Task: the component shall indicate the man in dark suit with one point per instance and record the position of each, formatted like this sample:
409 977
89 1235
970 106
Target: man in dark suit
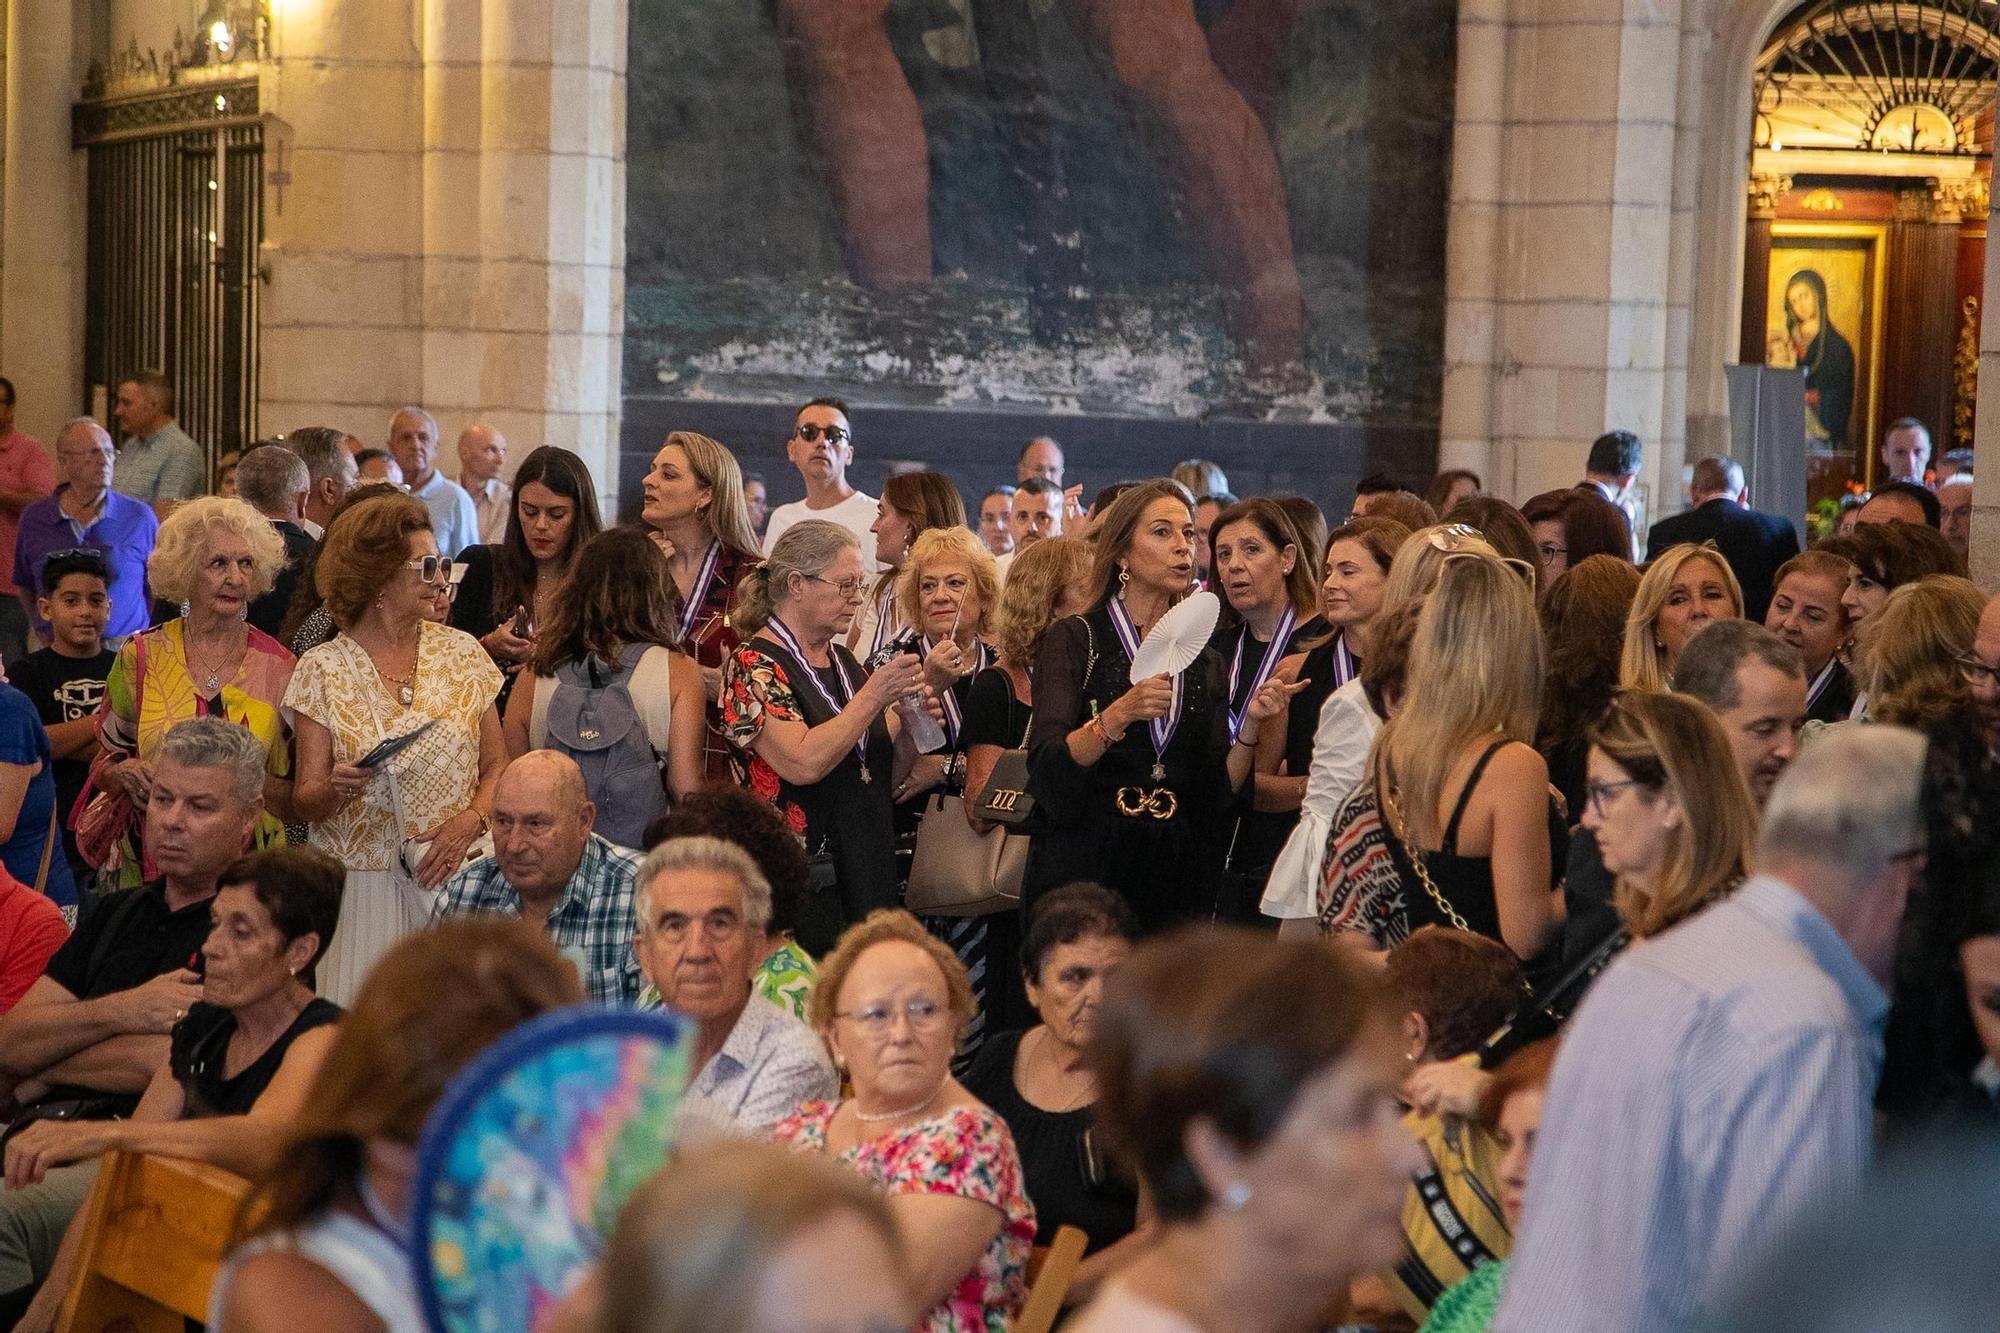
274 481
1753 543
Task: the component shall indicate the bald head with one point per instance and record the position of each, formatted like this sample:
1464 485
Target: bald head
482 451
541 821
85 453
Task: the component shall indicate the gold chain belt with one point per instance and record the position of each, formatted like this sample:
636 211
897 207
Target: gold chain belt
1160 802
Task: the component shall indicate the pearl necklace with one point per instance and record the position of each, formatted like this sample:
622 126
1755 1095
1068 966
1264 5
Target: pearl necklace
880 1116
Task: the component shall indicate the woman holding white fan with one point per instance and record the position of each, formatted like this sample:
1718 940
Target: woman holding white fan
1137 776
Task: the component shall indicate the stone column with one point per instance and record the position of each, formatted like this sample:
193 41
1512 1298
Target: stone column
42 218
1986 433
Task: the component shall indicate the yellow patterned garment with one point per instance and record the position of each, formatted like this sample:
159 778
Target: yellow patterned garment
337 686
138 713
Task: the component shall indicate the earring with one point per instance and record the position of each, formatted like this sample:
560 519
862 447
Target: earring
1124 577
1235 1196
243 611
187 608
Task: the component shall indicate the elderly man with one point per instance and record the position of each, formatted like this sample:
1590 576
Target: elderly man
1982 671
413 439
1713 1093
482 452
1906 449
1040 457
1954 497
1807 611
86 512
25 477
330 473
159 464
95 1026
704 910
276 482
548 866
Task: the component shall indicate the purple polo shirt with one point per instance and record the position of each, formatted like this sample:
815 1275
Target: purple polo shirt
24 465
123 530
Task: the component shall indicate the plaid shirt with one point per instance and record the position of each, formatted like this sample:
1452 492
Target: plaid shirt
591 922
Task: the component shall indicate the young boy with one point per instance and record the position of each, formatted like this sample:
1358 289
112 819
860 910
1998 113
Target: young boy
66 680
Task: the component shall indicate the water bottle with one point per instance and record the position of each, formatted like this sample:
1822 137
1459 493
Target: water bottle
926 733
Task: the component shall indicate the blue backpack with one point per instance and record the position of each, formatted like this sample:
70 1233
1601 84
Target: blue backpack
591 718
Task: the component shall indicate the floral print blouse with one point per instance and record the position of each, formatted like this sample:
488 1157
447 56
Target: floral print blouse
755 687
966 1151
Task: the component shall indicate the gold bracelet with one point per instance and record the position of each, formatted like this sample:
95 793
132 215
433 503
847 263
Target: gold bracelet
1097 725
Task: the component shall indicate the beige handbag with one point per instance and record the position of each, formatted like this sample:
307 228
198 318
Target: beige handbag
960 872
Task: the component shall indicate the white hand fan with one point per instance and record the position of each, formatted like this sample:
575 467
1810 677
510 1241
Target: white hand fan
1177 638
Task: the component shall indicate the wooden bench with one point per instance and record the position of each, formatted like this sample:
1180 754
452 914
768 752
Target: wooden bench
1051 1269
155 1230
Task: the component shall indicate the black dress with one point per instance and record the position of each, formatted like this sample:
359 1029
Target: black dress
1165 852
845 818
1051 1146
993 716
200 1048
1262 834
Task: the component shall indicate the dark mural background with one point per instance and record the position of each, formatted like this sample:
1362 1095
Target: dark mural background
1087 270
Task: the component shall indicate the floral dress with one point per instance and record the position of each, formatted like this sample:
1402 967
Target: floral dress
966 1151
755 687
151 688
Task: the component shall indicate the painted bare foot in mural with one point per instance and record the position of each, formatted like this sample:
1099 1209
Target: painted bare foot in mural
1222 162
867 135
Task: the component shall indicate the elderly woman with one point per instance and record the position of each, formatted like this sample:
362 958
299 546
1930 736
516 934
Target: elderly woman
695 511
324 1250
1137 777
891 1004
825 744
949 596
1253 1082
308 623
1042 1087
213 557
795 1234
509 589
237 1068
912 504
1680 591
617 619
399 824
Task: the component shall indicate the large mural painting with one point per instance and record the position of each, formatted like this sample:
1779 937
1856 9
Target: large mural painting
1120 207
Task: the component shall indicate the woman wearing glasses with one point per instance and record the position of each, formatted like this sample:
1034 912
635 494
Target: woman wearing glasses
695 511
823 742
1570 526
213 557
404 822
891 1003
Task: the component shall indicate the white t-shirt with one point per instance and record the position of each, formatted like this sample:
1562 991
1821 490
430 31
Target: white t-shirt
856 513
368 1263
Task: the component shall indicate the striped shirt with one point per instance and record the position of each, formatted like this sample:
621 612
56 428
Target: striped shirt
1712 1095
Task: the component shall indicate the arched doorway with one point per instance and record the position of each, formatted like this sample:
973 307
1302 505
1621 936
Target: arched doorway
1871 155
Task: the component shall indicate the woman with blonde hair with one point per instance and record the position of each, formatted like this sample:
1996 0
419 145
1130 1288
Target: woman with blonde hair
214 557
1673 815
740 1237
1347 721
912 504
1914 651
1460 785
1680 591
695 512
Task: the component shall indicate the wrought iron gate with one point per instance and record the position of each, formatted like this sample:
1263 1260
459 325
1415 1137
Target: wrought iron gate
171 271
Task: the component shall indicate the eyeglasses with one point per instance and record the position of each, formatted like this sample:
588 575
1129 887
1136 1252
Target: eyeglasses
849 589
431 568
1977 672
1451 536
1550 551
1600 792
877 1019
810 431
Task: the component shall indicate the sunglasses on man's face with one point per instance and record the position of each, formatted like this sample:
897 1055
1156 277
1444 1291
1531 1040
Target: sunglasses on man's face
810 431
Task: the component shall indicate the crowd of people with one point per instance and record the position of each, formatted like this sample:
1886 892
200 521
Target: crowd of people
1501 918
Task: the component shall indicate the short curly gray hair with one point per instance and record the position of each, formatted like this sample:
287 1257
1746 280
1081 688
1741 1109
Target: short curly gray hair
183 544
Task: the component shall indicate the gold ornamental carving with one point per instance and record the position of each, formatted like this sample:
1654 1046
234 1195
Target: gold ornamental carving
1765 191
1822 200
1965 374
1962 200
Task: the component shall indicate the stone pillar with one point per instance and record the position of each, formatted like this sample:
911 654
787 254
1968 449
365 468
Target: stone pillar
42 218
1571 191
449 229
1986 434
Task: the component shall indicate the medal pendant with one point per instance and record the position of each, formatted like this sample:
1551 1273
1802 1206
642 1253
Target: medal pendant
407 695
866 776
1159 771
